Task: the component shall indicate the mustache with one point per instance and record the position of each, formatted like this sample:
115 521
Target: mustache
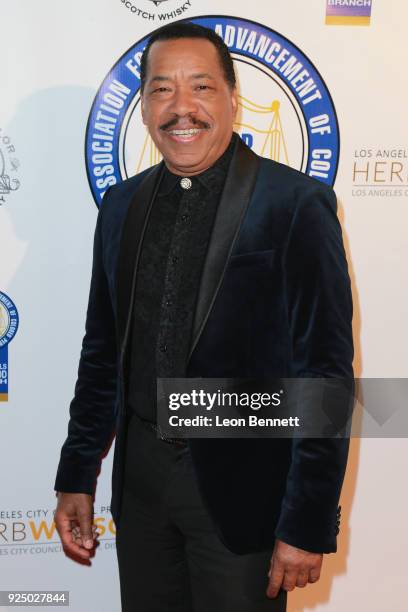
195 122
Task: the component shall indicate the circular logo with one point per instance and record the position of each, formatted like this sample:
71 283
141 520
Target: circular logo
285 109
162 12
8 167
8 319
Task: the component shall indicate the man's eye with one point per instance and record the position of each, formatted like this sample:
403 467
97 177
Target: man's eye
161 89
203 87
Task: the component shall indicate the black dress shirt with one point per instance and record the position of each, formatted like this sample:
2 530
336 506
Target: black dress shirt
168 277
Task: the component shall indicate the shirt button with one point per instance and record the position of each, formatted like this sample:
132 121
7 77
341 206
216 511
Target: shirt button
175 259
163 348
184 217
168 302
186 183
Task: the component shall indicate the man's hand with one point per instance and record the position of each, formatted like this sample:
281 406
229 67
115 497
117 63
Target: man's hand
291 567
73 520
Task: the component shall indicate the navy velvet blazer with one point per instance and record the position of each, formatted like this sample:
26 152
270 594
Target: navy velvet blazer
274 301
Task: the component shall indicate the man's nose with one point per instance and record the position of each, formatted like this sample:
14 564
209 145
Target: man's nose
183 102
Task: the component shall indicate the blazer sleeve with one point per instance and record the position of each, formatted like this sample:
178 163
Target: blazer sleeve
319 307
92 411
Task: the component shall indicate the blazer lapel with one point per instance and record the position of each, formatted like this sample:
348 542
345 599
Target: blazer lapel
129 252
239 185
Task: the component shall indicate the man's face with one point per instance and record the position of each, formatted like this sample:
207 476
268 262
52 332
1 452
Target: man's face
187 105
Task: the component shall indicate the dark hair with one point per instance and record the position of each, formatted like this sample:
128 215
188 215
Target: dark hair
190 30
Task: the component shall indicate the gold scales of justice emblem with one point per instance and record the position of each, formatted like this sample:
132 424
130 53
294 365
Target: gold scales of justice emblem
272 138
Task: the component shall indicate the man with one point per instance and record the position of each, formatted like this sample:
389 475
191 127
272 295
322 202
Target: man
215 263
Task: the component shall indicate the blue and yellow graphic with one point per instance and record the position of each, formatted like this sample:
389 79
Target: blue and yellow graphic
289 117
348 12
8 329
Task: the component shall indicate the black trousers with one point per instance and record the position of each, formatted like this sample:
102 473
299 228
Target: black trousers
170 557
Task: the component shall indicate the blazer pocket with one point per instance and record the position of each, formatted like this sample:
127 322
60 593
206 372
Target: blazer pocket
254 258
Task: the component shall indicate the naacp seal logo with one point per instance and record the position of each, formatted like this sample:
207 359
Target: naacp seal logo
8 329
285 109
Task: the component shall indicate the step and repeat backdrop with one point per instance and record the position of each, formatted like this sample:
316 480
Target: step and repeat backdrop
323 88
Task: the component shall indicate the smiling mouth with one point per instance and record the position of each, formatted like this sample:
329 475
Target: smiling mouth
188 132
186 135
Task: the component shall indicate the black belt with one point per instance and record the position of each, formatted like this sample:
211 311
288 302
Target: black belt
157 429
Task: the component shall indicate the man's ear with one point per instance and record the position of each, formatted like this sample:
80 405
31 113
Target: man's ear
234 102
142 108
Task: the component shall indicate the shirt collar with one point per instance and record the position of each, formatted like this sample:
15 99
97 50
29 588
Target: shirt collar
208 178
